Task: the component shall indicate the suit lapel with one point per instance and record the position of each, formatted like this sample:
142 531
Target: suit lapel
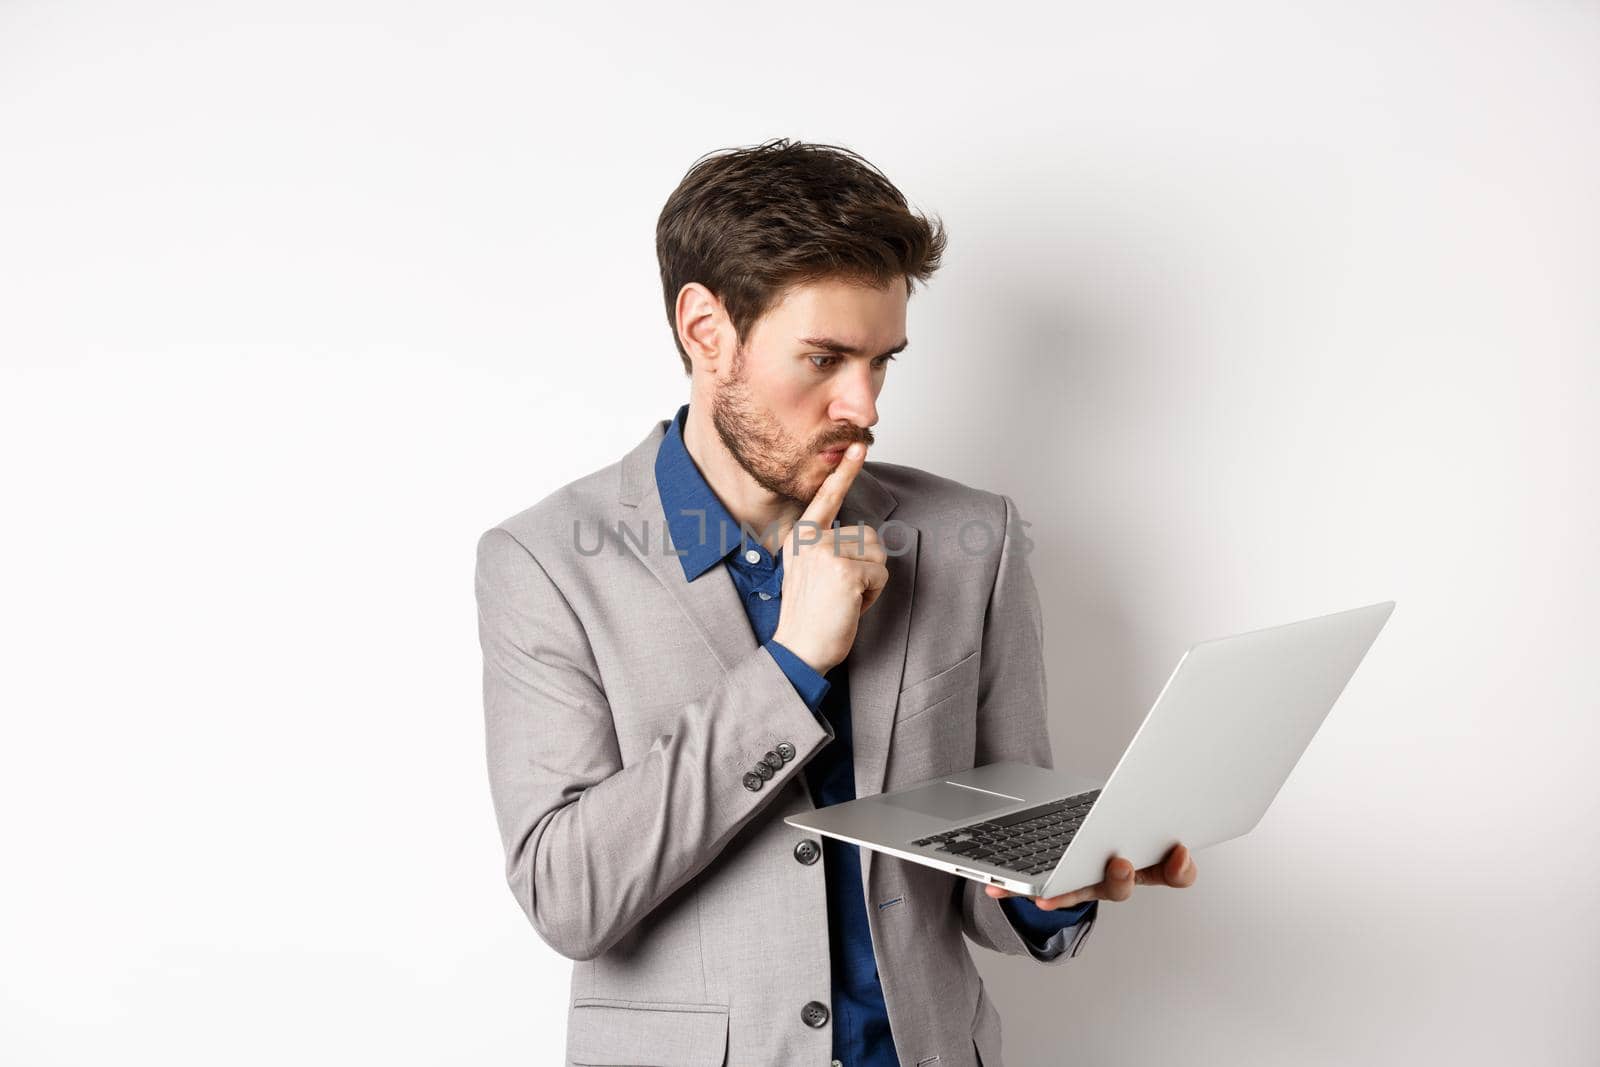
878 658
711 602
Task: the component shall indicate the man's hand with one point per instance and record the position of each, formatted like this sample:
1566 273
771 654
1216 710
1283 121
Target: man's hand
830 576
1177 871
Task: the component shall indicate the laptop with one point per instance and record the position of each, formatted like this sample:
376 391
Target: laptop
1230 724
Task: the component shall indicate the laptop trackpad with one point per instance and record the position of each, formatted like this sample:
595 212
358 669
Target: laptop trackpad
945 801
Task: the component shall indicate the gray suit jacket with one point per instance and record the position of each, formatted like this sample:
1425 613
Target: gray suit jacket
624 708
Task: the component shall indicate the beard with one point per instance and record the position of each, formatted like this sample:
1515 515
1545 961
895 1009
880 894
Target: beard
772 456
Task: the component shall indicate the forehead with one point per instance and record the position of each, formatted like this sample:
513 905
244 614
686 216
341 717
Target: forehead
857 314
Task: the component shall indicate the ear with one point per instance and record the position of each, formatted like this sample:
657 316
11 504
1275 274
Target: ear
704 329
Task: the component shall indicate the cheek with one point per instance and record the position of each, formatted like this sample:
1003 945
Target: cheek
801 408
793 390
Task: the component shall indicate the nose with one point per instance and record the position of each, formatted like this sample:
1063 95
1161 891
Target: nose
856 399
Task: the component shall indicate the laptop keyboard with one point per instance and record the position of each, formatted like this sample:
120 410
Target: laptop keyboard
1030 840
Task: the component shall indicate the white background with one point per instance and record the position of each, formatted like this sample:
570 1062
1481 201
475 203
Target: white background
1258 310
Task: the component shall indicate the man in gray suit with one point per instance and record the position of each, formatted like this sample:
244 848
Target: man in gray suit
742 619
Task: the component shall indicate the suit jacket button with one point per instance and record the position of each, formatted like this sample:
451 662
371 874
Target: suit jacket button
773 760
814 1014
785 751
807 851
763 770
752 782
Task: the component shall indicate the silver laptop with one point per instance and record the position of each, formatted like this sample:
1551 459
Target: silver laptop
1214 749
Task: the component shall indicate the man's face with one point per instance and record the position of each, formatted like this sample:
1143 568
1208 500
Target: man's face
807 380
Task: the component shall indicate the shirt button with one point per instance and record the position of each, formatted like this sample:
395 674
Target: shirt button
764 596
752 556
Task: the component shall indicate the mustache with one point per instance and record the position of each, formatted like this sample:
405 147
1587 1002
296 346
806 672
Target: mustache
845 438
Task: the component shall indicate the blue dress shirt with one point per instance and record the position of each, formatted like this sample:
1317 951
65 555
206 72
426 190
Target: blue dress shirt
706 535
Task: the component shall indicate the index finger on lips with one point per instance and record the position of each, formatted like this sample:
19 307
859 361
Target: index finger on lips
824 507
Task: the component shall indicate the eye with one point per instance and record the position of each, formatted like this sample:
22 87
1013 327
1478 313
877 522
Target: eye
824 362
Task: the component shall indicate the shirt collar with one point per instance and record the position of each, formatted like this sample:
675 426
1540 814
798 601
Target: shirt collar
686 496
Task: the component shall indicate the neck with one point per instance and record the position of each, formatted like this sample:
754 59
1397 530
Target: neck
747 500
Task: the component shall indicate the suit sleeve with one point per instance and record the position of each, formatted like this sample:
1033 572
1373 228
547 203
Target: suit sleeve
1012 726
592 846
1047 933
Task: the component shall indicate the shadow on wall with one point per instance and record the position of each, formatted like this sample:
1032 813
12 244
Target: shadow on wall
1065 380
1068 377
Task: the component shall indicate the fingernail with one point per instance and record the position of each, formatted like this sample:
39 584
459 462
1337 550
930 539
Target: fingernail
854 450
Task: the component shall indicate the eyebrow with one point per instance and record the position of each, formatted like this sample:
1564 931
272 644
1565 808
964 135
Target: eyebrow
828 344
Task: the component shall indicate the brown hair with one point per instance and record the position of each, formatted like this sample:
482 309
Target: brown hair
748 223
